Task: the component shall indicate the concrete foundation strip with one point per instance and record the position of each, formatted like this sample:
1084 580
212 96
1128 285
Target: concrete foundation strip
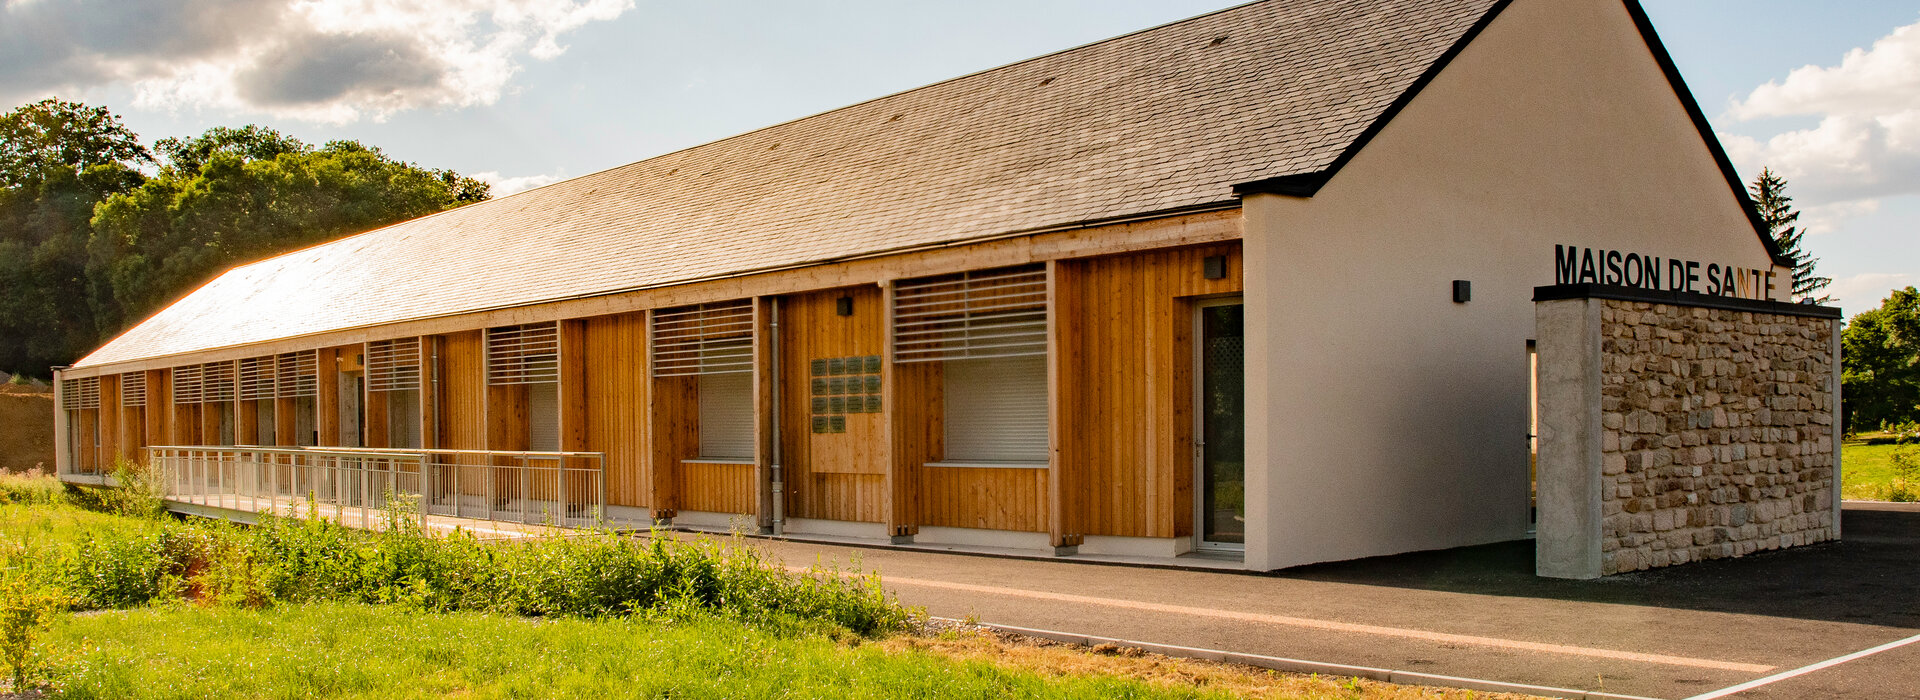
1334 626
1804 670
1315 667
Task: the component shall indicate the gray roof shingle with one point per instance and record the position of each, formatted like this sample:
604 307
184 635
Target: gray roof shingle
1158 120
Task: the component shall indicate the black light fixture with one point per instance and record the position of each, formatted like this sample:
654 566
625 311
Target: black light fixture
843 306
1213 267
1462 291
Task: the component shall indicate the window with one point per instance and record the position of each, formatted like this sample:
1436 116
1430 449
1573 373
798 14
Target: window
996 410
257 395
219 387
529 355
726 416
988 329
297 380
393 376
714 344
81 399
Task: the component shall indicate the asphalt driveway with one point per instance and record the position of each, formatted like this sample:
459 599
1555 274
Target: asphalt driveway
1479 612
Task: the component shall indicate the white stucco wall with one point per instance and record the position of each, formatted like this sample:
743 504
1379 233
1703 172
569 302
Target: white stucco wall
1383 417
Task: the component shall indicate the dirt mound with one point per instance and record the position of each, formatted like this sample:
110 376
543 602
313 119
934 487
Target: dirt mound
26 430
7 387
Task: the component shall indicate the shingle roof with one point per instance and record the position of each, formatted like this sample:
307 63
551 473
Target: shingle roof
1159 120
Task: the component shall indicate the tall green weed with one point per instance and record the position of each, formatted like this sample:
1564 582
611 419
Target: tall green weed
590 575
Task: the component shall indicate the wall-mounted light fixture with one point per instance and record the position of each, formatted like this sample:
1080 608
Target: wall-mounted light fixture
1213 267
843 306
1462 291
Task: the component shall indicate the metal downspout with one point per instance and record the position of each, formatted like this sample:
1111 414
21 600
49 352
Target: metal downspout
777 474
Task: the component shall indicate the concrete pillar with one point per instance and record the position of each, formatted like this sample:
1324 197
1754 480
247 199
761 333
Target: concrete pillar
1567 540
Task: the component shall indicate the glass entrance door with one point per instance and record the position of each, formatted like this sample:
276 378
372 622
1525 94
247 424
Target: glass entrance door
1220 436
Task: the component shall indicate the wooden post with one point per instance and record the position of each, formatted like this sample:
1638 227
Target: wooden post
160 406
326 417
112 447
573 385
764 375
903 465
1063 490
571 356
431 349
663 460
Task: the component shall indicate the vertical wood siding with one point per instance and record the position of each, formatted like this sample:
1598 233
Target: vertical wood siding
1127 385
613 371
830 476
676 437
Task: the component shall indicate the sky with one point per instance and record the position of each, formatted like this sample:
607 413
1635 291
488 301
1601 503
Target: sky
528 92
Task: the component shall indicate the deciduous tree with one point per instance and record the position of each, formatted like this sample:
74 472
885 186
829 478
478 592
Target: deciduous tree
57 160
1881 347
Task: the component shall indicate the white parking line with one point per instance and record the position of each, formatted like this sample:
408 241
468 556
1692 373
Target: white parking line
1804 670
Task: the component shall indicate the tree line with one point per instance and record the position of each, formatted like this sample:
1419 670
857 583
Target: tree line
98 231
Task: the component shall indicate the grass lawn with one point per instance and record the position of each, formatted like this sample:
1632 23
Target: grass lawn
349 651
1866 471
188 647
363 651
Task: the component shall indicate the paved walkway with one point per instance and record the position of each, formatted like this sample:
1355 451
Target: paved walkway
1479 612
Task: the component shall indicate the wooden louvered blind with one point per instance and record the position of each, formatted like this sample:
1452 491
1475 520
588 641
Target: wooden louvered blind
218 382
133 389
297 374
704 339
80 394
257 376
526 354
393 365
186 384
984 313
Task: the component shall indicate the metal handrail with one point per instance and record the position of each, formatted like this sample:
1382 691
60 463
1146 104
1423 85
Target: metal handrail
566 489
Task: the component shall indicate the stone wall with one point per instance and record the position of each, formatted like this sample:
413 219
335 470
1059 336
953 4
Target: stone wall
1717 433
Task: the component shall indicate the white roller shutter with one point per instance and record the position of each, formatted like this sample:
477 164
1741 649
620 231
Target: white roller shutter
726 416
996 410
543 417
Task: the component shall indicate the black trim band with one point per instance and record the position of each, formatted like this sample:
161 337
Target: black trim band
1651 296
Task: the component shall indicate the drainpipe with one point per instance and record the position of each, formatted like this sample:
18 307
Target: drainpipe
434 397
779 477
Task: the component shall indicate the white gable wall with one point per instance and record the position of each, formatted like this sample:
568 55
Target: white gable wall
1387 417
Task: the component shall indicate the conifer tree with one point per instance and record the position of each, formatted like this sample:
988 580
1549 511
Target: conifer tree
1769 192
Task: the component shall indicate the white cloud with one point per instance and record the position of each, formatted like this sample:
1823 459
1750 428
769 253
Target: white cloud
319 60
1821 219
1867 142
1866 290
503 186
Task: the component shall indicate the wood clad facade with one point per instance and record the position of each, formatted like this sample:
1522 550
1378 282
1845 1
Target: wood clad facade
1120 382
830 475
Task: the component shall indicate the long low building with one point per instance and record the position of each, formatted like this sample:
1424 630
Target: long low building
1254 285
